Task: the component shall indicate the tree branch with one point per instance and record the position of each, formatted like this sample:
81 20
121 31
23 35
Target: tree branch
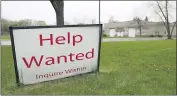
58 6
54 4
161 10
161 19
173 28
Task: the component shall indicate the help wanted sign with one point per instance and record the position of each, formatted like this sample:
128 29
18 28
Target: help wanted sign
46 53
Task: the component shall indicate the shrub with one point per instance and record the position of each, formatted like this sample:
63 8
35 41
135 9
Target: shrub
104 35
159 35
151 36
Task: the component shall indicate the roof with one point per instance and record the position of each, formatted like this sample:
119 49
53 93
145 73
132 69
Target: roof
131 24
120 24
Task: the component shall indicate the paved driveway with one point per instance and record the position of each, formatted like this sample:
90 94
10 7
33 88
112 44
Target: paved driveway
5 42
8 42
130 39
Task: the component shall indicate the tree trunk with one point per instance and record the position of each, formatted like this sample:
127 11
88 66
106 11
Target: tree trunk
168 28
140 30
172 28
58 5
167 19
168 31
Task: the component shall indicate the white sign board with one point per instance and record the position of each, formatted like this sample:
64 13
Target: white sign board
46 53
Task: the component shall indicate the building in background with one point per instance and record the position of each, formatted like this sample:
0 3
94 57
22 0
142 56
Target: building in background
130 29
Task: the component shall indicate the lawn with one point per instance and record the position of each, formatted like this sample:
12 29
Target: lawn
5 37
126 68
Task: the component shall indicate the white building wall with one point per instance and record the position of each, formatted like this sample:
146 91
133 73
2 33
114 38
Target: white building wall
131 32
107 31
118 34
112 33
121 34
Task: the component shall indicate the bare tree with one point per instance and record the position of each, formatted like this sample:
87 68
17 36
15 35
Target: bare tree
162 10
58 6
146 19
80 21
139 24
111 19
93 21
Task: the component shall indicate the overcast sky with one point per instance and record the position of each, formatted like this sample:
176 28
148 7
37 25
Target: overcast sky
79 11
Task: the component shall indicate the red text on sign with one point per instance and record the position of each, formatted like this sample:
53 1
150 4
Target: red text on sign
44 60
60 39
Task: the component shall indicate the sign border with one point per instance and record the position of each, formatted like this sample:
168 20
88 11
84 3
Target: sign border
54 26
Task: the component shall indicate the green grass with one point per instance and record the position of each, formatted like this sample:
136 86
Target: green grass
141 67
5 37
